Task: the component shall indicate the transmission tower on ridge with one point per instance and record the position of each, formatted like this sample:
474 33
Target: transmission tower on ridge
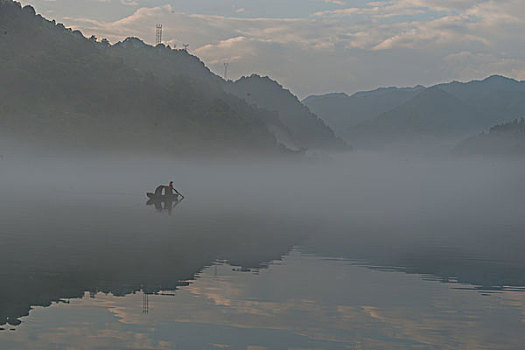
226 64
158 36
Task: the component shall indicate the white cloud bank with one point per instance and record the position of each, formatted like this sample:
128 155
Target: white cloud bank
402 42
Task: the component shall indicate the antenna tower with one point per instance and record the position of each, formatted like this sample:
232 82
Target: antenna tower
186 46
226 64
158 36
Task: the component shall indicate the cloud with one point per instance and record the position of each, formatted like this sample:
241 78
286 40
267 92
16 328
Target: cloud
336 2
129 2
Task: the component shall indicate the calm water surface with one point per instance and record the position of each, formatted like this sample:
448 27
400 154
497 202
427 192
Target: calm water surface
357 252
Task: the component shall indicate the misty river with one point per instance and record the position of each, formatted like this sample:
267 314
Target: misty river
363 251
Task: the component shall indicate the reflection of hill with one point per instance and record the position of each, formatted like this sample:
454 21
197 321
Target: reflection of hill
489 257
69 248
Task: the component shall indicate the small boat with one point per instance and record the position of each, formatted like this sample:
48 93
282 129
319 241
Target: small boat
163 193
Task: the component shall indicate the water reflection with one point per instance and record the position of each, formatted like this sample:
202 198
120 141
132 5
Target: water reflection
70 247
300 302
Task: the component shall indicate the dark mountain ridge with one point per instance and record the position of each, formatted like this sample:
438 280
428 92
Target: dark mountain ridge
162 61
64 89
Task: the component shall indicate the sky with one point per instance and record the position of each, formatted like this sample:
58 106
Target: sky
321 46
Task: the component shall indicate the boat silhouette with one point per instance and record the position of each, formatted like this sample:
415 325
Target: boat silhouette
164 193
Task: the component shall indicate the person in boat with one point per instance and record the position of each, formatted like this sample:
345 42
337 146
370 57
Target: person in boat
163 190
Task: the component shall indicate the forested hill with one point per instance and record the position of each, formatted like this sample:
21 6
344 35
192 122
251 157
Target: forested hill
302 129
503 139
162 61
306 128
85 93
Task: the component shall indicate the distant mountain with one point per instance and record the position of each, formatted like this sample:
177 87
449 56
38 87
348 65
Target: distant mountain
496 99
504 139
342 112
441 113
305 127
431 113
60 87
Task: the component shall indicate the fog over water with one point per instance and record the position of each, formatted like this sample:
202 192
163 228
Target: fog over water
308 252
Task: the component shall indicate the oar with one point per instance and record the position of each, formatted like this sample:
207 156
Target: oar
180 194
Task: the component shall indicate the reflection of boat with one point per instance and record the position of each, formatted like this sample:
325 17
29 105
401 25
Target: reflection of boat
159 202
